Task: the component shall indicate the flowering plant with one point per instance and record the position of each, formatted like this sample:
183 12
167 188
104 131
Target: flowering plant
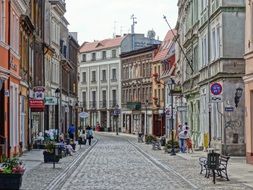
12 166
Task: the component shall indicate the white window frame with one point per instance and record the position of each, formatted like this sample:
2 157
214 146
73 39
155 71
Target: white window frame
2 20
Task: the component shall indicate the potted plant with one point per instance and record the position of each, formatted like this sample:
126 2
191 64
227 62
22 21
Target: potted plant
48 153
11 173
149 139
168 146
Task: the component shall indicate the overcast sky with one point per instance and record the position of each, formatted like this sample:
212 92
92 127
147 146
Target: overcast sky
99 19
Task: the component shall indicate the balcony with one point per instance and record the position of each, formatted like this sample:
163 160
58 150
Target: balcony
93 105
93 82
102 104
83 105
113 103
114 80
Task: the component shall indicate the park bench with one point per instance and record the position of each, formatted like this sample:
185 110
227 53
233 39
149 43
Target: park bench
156 145
221 170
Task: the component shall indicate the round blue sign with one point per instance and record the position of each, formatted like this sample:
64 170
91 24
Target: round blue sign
216 88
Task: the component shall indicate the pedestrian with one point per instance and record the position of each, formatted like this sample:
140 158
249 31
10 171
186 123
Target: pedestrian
71 131
186 126
89 134
182 137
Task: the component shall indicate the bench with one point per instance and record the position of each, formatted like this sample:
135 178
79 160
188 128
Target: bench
156 145
221 170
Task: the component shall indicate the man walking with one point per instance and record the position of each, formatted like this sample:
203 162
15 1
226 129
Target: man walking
71 131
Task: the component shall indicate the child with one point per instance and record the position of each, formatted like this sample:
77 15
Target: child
189 145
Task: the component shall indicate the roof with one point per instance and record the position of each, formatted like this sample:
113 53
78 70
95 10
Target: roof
165 46
99 45
139 51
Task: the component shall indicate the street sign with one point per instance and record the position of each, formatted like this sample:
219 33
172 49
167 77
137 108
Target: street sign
216 99
229 109
182 108
216 88
50 101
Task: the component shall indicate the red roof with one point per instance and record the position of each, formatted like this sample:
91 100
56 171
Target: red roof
104 44
164 48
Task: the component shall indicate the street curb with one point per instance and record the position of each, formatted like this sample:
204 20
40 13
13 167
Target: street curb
60 179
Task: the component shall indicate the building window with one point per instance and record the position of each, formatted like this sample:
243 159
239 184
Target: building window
93 57
84 77
84 99
2 20
93 75
114 53
114 74
93 99
204 54
103 75
84 58
114 98
104 55
195 58
218 41
213 45
104 98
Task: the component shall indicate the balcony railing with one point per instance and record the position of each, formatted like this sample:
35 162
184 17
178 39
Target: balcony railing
102 104
93 105
113 103
114 80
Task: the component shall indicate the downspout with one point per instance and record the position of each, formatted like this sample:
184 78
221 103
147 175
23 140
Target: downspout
9 68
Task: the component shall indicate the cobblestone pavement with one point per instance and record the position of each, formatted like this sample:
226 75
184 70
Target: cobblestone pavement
43 176
189 169
114 163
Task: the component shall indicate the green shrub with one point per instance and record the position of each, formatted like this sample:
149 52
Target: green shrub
150 138
168 145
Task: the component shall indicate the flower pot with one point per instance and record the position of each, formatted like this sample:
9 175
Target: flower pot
50 157
10 181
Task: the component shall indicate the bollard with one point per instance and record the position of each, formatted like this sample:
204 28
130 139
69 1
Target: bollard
56 153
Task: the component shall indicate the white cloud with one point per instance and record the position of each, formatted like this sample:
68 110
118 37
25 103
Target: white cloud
95 19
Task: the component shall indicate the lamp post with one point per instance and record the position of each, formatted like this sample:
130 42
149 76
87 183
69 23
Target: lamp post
238 95
171 84
76 124
57 95
146 117
116 113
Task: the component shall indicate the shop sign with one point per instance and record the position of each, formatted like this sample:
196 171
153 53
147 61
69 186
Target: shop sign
50 101
36 105
39 92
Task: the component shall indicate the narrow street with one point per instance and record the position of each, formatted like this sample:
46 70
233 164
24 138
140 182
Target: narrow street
115 163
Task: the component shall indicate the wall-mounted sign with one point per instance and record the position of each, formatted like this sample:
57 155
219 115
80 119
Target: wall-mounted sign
39 92
6 93
229 109
36 105
50 101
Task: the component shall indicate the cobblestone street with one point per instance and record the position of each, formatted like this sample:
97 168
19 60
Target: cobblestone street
119 162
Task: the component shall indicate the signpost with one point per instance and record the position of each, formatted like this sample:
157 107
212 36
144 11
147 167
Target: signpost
216 90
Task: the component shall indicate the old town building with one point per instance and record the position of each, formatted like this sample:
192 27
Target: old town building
248 80
100 77
162 70
137 90
213 56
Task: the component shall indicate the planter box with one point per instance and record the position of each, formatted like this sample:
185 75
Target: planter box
10 181
49 157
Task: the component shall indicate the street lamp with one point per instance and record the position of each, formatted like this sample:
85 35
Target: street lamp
238 95
146 106
76 124
171 85
57 95
116 113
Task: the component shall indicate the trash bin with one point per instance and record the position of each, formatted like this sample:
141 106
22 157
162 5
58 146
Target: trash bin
163 141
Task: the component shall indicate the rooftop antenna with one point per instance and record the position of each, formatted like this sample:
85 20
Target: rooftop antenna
134 22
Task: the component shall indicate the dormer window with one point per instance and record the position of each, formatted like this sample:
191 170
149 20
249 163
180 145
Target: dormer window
104 55
84 57
114 53
93 57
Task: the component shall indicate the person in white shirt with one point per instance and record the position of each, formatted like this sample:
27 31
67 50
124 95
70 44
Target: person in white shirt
182 136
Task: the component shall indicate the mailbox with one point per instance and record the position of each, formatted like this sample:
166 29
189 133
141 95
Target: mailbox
213 161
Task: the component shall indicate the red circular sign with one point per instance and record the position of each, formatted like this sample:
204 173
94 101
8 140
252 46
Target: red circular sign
216 88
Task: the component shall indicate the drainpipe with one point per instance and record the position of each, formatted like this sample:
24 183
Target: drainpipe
9 68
